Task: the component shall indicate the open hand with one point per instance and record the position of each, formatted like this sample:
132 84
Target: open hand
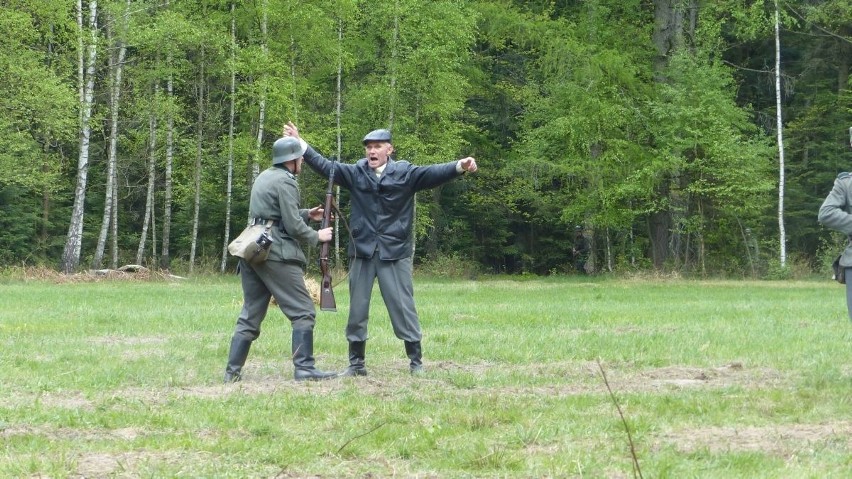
291 130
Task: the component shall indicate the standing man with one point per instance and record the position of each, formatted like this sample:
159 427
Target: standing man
381 219
836 213
275 196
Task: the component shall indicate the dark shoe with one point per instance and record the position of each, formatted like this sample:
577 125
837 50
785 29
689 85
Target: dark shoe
353 371
312 374
303 358
236 359
415 354
357 351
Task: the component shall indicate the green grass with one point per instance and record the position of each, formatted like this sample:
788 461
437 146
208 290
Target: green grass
717 379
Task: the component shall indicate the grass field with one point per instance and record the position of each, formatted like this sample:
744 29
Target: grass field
715 379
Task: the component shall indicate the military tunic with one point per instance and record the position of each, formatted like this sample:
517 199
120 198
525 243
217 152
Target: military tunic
275 196
836 213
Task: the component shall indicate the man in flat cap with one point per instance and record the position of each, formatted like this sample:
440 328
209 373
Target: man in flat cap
381 220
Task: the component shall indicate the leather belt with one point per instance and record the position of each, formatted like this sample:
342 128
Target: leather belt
262 221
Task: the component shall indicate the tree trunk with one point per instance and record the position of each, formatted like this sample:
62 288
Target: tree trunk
338 116
230 180
264 47
199 152
149 196
668 37
114 227
116 68
165 255
74 240
261 118
844 59
394 42
782 235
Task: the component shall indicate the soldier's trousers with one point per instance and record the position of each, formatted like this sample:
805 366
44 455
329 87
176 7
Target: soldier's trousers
283 281
849 292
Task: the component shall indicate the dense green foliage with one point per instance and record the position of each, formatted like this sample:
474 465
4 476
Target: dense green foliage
124 381
651 124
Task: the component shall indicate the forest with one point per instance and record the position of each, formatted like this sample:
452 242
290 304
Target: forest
682 136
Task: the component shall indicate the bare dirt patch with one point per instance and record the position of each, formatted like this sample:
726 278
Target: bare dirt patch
121 464
62 399
784 440
585 378
73 434
559 379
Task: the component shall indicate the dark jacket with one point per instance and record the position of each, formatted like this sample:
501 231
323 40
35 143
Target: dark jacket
275 196
382 209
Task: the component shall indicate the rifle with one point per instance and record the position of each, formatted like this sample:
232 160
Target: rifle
327 302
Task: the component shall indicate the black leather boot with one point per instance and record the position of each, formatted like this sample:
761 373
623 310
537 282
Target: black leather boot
415 354
303 357
236 358
357 350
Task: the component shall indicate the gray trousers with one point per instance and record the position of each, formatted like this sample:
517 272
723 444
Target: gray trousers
397 290
283 281
848 274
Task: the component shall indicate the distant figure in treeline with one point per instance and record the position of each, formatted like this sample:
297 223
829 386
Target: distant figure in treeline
580 250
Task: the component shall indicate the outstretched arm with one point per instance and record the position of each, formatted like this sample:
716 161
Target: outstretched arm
467 164
320 164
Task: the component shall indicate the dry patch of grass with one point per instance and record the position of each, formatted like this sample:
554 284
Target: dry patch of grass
128 272
783 440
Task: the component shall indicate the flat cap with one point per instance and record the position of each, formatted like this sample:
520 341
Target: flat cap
377 135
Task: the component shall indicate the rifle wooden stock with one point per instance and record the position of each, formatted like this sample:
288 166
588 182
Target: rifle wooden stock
327 302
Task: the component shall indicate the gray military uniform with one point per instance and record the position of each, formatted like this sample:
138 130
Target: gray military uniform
836 213
275 196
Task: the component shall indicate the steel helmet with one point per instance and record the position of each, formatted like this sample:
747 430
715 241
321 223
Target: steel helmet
377 135
288 148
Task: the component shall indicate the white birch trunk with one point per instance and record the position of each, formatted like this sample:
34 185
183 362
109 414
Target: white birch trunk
199 151
73 241
81 61
116 69
149 196
230 180
393 66
255 168
114 227
338 115
782 235
293 79
165 256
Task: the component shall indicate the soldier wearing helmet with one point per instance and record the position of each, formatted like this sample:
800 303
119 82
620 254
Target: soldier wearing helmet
275 198
381 221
